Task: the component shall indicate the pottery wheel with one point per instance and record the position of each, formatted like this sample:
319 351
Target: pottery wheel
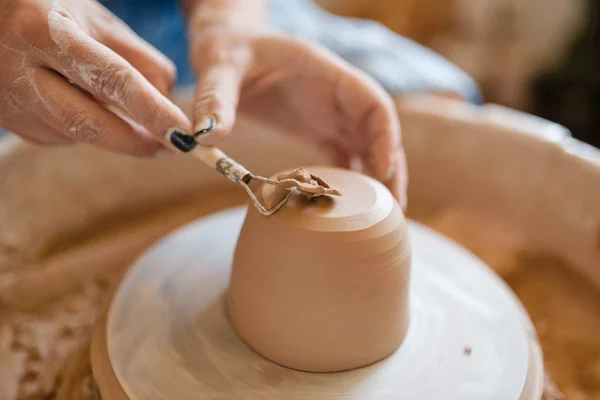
167 335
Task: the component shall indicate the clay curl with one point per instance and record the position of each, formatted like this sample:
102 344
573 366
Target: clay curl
301 181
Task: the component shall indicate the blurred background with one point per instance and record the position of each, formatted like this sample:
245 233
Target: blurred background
539 56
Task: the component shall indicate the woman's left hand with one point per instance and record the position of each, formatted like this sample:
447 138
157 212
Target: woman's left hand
299 88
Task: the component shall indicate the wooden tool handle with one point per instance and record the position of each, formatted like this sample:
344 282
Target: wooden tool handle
215 158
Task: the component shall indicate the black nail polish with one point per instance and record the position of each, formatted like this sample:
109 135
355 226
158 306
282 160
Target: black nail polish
210 127
182 141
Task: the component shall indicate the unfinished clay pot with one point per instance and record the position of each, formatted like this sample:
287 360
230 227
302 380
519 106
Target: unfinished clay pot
167 333
322 285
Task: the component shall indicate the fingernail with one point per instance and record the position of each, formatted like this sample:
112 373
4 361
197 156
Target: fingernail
206 125
182 141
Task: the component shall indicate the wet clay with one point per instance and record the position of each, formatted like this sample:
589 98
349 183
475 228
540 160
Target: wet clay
47 309
322 285
300 180
564 307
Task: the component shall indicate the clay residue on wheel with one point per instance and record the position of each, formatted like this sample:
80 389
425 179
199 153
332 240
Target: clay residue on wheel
563 306
302 181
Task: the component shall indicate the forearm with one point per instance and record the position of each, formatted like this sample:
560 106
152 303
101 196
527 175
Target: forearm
200 13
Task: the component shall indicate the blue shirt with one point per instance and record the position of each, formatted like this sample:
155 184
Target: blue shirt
162 24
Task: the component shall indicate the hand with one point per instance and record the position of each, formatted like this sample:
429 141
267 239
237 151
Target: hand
65 62
301 89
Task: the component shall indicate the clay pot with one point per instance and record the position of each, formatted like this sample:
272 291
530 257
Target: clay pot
322 285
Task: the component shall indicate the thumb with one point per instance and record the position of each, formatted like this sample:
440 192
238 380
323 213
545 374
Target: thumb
215 102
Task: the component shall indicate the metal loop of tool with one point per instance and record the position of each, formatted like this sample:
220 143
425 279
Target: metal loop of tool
261 209
240 175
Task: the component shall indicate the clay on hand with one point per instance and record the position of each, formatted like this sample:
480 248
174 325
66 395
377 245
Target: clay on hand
65 62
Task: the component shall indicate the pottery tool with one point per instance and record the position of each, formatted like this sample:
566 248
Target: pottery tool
300 180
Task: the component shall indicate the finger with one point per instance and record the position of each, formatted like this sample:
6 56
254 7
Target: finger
111 79
77 116
372 113
215 102
367 114
343 157
155 66
220 59
398 181
339 155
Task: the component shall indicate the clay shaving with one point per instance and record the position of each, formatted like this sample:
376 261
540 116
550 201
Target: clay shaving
308 184
303 182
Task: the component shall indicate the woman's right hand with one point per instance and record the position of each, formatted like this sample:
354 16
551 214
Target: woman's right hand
65 61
